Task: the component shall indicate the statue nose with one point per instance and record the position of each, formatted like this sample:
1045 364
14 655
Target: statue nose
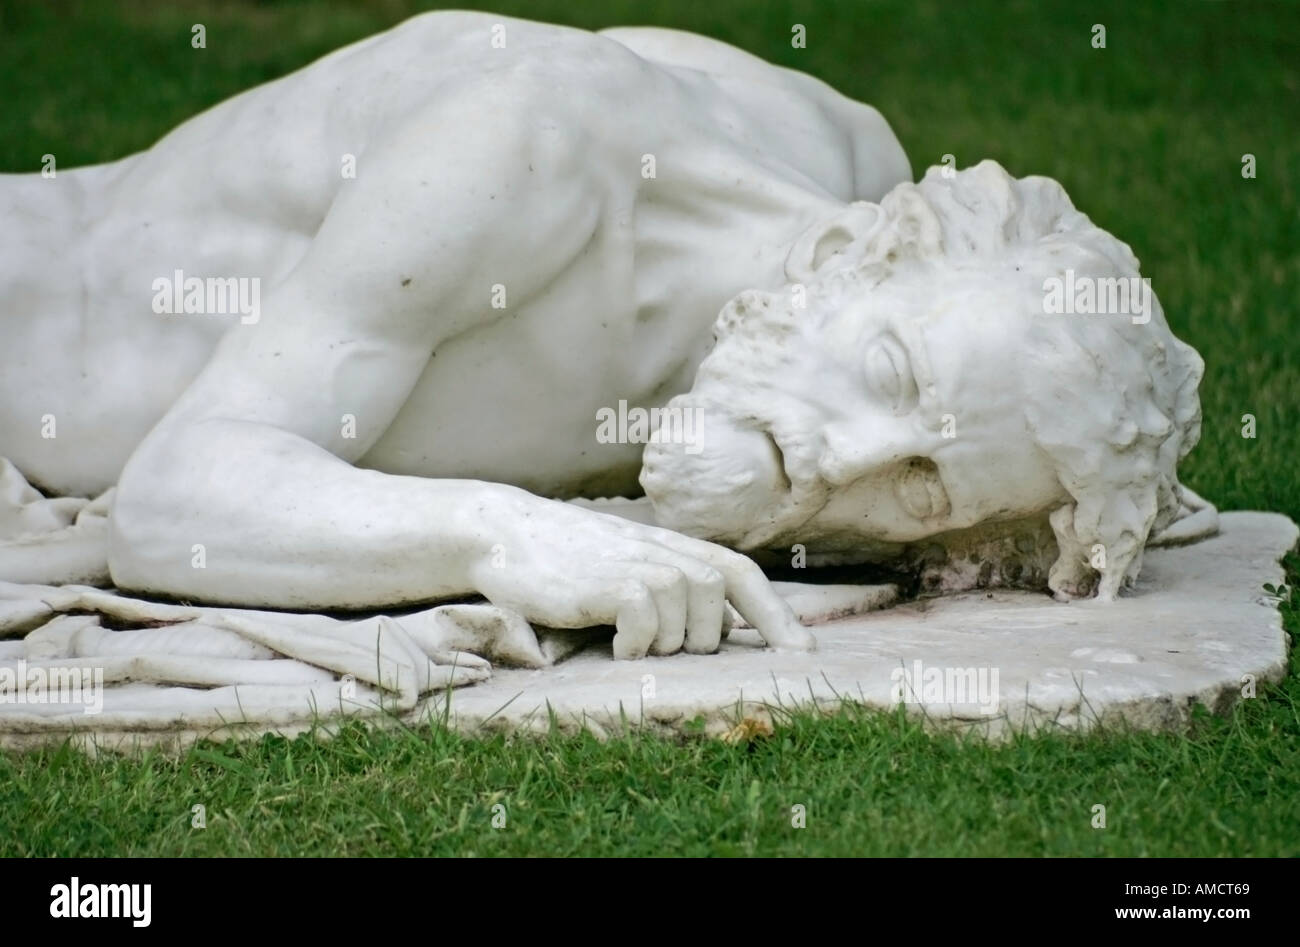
851 452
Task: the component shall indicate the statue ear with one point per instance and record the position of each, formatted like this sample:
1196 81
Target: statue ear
830 244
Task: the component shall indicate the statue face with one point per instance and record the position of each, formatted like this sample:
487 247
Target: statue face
885 416
927 388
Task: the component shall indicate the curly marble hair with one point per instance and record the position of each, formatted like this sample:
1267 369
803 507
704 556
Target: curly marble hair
1111 401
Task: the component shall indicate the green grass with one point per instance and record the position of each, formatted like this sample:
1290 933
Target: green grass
1147 135
870 784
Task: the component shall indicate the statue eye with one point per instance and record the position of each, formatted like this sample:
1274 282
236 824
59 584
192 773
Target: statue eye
889 374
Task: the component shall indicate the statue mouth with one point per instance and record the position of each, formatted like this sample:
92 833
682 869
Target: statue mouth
920 490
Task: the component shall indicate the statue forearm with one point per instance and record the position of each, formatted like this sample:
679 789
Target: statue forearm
232 512
228 511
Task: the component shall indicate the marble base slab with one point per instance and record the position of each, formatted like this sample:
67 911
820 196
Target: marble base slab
1198 628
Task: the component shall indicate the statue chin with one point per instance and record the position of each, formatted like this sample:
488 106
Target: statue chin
725 490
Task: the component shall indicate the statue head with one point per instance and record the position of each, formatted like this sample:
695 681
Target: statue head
926 376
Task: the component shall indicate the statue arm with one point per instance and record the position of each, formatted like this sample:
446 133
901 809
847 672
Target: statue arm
245 492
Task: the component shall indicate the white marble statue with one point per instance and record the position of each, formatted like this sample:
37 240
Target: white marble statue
461 262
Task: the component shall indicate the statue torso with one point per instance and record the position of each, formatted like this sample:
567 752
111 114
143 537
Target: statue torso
705 181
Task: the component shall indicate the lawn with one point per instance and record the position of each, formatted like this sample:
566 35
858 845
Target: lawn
1148 135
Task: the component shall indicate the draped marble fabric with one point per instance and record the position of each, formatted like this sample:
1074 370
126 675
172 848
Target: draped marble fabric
166 665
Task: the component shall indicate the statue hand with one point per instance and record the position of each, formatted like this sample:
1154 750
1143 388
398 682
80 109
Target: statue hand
566 567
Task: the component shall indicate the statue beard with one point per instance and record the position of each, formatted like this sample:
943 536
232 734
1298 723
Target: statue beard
749 478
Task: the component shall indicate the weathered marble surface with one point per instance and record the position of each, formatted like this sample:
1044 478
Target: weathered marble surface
1198 622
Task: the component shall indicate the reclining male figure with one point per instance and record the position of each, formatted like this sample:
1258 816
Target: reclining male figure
475 235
